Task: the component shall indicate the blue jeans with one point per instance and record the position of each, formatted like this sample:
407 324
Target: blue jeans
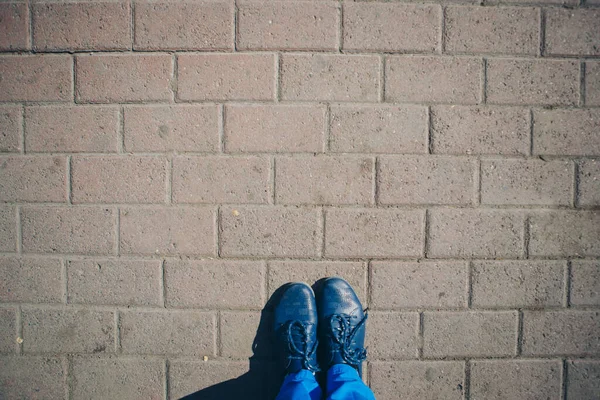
343 383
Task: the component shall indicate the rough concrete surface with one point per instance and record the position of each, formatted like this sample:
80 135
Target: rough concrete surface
166 165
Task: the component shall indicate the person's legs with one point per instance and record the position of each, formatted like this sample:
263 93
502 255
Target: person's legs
300 385
344 383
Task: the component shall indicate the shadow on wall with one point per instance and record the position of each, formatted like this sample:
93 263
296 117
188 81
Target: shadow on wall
263 379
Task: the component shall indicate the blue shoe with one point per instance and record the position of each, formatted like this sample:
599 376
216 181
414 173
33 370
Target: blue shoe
295 327
342 325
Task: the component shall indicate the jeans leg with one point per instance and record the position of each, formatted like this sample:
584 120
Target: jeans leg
343 383
301 385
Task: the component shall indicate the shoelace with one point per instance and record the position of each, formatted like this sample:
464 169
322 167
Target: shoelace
304 354
341 323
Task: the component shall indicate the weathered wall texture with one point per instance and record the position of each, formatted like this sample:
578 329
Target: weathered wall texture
166 165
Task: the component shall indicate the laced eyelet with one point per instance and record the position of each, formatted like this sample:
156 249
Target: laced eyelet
303 354
342 323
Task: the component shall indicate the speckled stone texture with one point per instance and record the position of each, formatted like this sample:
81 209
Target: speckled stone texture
166 166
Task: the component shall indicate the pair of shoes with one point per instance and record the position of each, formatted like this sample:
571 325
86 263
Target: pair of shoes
324 327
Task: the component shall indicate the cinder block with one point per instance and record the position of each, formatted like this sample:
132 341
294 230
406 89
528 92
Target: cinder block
588 179
592 83
221 179
518 283
566 132
121 282
79 230
266 25
564 234
36 78
402 285
274 128
549 333
8 229
426 180
470 334
190 333
30 377
238 333
11 128
585 283
516 379
226 77
499 30
184 25
270 232
202 283
282 272
374 233
526 182
475 233
418 380
378 129
522 81
321 77
324 180
391 27
65 330
433 79
31 280
14 31
180 128
73 129
480 130
400 342
81 26
110 78
572 32
111 377
584 379
8 331
168 231
33 179
119 179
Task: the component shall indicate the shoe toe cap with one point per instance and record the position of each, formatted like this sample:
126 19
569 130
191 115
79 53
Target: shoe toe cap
336 296
296 303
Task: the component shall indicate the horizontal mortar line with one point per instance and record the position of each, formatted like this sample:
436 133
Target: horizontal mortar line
213 309
127 356
299 155
316 102
487 3
319 101
172 258
465 309
289 102
481 357
274 50
307 155
530 56
528 357
548 357
124 308
309 206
